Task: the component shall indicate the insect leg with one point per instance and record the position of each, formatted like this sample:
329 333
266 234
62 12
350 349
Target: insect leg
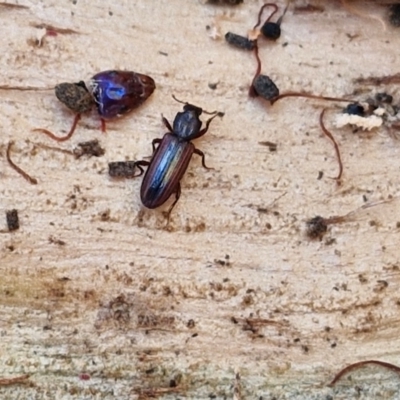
201 154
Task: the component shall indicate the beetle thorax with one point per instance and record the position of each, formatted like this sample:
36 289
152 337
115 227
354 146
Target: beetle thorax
187 124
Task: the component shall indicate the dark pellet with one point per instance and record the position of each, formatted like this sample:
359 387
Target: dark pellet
12 220
122 169
265 87
90 148
239 41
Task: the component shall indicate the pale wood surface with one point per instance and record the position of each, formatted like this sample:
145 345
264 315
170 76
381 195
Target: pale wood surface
115 300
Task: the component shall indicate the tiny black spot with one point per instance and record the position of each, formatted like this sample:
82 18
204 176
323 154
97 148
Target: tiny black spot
354 109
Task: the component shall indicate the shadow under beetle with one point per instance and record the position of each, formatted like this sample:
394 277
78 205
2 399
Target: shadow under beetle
114 93
171 158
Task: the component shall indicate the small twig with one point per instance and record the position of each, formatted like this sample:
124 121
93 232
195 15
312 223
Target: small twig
31 180
46 147
10 5
53 29
13 381
25 88
310 96
379 80
330 136
350 367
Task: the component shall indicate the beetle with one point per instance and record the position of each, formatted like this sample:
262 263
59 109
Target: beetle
113 92
171 158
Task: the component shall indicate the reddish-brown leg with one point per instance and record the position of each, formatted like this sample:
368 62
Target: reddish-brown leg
61 138
201 154
103 125
177 196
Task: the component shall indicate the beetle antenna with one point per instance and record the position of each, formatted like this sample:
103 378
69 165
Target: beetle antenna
179 101
221 114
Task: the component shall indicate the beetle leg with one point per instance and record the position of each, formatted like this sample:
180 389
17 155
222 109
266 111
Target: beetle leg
139 165
103 125
177 196
155 141
208 122
166 123
203 159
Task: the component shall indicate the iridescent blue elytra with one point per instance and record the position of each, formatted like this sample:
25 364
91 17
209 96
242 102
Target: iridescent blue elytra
171 158
118 92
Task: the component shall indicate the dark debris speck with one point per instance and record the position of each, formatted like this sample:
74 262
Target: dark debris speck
12 220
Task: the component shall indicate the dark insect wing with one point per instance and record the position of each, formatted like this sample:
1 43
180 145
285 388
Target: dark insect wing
168 165
118 92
